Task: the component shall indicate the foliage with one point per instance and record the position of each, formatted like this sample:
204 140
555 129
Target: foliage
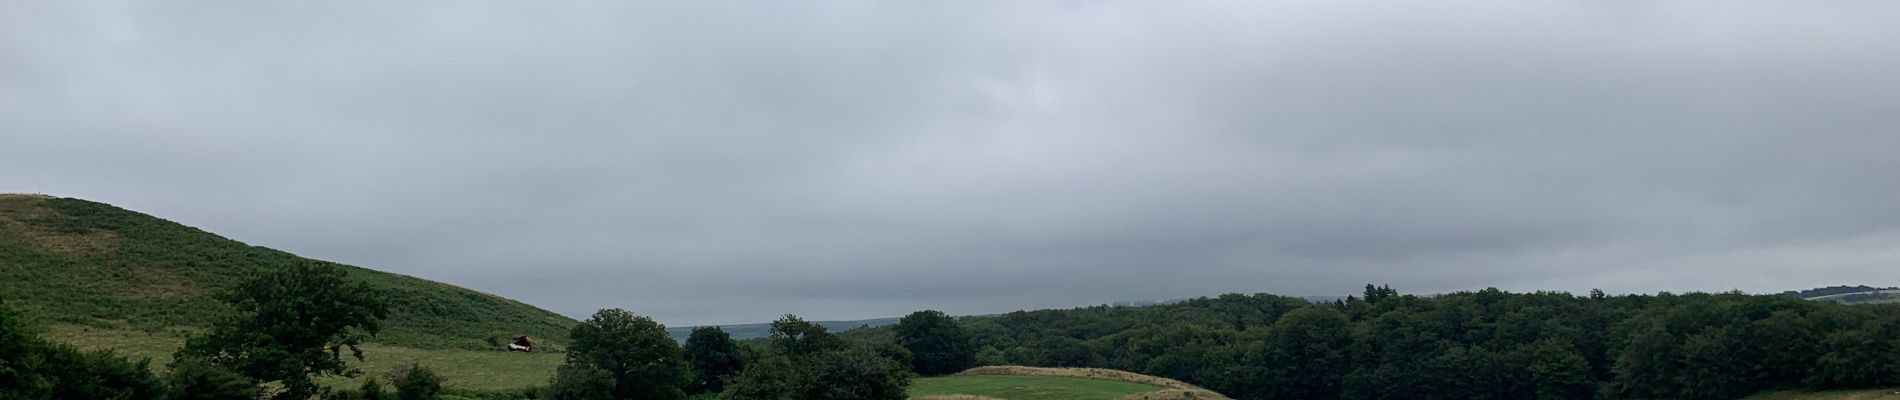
416 383
291 323
71 261
936 342
643 361
1486 344
806 362
581 382
373 390
714 358
195 379
990 356
32 368
796 337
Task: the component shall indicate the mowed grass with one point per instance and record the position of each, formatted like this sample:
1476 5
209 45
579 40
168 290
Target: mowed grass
1017 387
461 369
1885 394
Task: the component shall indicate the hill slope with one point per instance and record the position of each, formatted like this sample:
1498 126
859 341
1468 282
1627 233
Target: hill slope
71 261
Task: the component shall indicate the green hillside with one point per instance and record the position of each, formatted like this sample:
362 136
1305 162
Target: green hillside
82 263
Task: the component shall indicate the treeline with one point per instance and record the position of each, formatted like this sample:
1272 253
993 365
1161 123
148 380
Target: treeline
1471 345
289 326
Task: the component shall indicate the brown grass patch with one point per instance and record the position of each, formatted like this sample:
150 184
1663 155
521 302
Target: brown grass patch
953 397
17 211
1176 389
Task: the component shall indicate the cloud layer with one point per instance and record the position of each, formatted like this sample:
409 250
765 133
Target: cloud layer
723 162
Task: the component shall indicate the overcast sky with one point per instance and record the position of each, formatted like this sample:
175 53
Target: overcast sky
726 162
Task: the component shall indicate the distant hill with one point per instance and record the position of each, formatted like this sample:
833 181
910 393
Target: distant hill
1835 290
1862 294
77 262
759 330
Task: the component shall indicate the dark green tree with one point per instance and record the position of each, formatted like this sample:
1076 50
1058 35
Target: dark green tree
581 382
798 337
990 356
1868 356
1306 354
17 349
938 345
1650 366
644 362
371 390
805 362
714 358
1557 372
291 323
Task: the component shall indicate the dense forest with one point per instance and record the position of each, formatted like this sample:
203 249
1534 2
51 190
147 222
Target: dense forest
1486 344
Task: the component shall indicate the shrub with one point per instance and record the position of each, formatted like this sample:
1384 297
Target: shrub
581 382
416 383
195 379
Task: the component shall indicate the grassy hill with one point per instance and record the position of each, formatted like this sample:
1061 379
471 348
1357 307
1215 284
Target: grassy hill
104 277
1030 383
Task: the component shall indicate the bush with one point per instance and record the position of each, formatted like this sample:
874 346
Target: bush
417 383
581 382
195 379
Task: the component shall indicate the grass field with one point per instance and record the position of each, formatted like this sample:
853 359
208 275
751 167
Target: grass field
1887 394
461 369
71 261
1013 387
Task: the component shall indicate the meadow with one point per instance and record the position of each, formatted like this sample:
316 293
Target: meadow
1013 387
461 369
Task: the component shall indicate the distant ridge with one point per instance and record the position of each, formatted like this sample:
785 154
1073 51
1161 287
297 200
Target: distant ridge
759 330
72 261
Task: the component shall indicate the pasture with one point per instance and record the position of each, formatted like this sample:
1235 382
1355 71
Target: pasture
1016 387
460 369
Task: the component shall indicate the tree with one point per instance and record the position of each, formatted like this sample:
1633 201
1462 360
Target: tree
797 337
16 346
1650 366
714 358
1868 356
807 363
1558 372
581 382
417 383
990 356
371 390
1306 354
291 323
636 352
937 344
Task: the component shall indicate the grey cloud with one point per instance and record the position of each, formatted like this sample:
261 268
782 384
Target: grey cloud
724 162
